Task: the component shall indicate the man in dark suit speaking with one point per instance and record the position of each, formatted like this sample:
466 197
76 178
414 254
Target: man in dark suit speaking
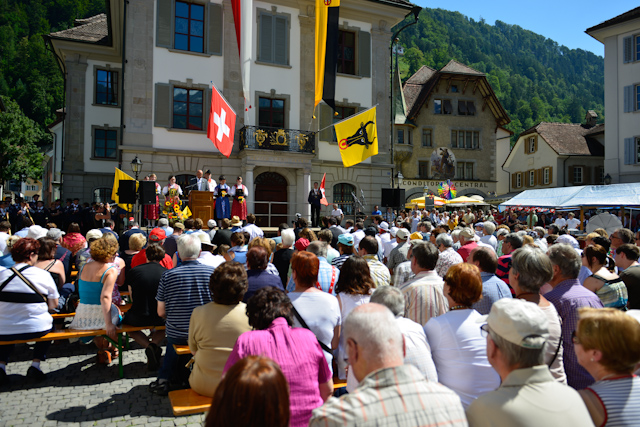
314 200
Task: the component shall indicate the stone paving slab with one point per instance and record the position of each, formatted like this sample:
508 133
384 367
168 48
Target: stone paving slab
79 393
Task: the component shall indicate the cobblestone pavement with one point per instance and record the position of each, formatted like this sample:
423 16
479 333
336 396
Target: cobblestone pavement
77 392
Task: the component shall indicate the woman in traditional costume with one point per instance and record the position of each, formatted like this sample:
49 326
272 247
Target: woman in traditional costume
151 212
222 193
239 193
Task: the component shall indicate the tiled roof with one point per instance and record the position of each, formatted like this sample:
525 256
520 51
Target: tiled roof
627 16
401 3
421 76
90 30
459 68
569 138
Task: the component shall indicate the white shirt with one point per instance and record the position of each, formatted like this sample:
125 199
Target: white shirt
336 213
417 349
207 258
388 247
560 222
212 185
414 224
357 236
253 230
3 243
19 318
573 223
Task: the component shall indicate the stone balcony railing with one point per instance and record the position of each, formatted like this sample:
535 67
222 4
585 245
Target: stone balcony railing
267 138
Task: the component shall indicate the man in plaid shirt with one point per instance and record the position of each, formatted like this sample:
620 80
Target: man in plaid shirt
390 393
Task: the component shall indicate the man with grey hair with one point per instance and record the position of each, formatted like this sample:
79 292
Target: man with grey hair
402 273
327 274
164 224
516 334
417 349
423 294
468 242
390 392
568 295
488 228
180 291
540 241
455 235
448 256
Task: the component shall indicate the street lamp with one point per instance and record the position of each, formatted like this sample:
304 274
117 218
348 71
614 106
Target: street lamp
136 167
415 11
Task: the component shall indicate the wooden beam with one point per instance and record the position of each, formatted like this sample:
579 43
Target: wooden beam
449 85
581 218
464 89
476 86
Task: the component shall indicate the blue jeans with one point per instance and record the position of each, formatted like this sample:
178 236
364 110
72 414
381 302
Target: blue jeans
170 358
39 350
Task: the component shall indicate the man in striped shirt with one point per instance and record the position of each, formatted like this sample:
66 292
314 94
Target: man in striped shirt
180 291
390 393
379 272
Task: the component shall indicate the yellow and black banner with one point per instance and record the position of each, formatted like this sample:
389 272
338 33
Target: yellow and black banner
358 137
327 15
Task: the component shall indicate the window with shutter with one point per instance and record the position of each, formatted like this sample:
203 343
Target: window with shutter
586 175
448 109
628 49
364 54
637 43
214 29
273 44
162 113
471 108
454 139
426 138
462 108
550 175
570 174
578 174
630 150
628 99
400 136
519 180
513 180
189 26
347 52
636 101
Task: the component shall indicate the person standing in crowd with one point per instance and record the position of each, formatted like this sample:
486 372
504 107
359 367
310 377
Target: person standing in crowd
239 193
211 183
568 295
27 316
608 346
326 236
62 254
302 361
621 236
142 282
447 256
459 349
223 235
335 231
257 275
609 287
5 229
315 195
180 291
346 249
215 327
134 228
510 243
493 288
389 391
627 260
379 272
399 253
171 242
222 194
423 294
251 227
282 257
516 333
328 275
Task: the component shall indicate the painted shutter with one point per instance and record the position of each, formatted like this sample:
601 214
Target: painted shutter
550 175
628 49
214 29
571 175
514 182
164 24
325 120
206 110
163 105
629 151
281 54
628 99
526 179
364 54
586 175
526 145
535 144
266 38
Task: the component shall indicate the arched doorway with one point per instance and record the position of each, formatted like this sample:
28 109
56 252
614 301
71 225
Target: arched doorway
270 199
342 195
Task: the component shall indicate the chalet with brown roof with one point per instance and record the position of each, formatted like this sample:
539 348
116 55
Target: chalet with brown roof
449 124
557 155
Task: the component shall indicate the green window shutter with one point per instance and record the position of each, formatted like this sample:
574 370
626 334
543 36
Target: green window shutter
364 54
326 118
164 24
206 109
281 54
214 29
163 105
265 53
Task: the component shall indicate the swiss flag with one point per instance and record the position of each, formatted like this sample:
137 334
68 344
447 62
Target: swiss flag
222 123
323 201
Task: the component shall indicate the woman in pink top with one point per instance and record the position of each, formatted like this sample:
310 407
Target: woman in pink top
296 350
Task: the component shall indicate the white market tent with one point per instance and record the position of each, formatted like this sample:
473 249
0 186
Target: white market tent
614 195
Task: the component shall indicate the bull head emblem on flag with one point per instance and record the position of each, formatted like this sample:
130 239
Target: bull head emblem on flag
360 137
327 2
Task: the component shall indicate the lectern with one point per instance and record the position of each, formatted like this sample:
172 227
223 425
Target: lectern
201 205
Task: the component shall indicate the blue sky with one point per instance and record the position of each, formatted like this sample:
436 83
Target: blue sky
563 21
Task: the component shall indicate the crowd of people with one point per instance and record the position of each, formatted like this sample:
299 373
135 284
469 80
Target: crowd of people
431 318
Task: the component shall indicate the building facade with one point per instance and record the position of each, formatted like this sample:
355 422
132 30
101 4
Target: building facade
451 127
557 155
621 39
139 84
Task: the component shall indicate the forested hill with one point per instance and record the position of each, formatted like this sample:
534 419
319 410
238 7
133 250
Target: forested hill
534 78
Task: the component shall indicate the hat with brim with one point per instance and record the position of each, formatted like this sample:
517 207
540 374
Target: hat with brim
235 221
384 225
520 322
402 234
345 239
36 232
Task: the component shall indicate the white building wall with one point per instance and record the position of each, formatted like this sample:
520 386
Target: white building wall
629 123
542 158
503 143
97 115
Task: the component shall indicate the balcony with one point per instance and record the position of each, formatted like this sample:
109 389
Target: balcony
402 152
266 138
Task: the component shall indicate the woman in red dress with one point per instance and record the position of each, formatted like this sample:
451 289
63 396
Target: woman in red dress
239 193
151 212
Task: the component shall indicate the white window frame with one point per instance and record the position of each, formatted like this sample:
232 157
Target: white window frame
518 180
532 144
578 175
532 178
546 176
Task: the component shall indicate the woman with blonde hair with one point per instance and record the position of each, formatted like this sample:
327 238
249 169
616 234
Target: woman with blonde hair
308 234
607 344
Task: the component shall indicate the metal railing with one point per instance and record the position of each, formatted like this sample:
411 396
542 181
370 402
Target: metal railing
268 138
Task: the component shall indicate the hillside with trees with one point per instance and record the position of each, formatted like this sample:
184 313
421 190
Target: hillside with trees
535 78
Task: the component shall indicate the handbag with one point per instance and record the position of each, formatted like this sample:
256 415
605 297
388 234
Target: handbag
304 325
21 297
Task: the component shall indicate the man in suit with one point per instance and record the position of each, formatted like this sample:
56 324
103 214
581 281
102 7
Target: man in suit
199 183
314 200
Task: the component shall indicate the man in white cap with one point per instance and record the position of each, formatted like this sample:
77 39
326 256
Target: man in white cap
383 229
517 331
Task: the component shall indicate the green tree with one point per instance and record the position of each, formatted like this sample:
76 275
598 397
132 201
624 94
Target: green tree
414 59
19 154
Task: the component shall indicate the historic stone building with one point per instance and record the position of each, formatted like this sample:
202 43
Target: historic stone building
138 83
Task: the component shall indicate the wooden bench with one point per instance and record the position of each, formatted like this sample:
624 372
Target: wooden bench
181 349
66 334
123 309
188 402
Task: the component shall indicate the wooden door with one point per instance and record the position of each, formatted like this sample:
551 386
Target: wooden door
270 187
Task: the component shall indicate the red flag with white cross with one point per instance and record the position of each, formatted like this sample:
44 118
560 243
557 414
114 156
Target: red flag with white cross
324 197
222 123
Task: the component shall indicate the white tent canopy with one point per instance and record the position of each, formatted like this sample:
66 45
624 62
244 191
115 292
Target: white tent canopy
574 197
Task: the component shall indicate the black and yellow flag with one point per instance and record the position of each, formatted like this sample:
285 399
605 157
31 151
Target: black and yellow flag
358 137
121 176
327 14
